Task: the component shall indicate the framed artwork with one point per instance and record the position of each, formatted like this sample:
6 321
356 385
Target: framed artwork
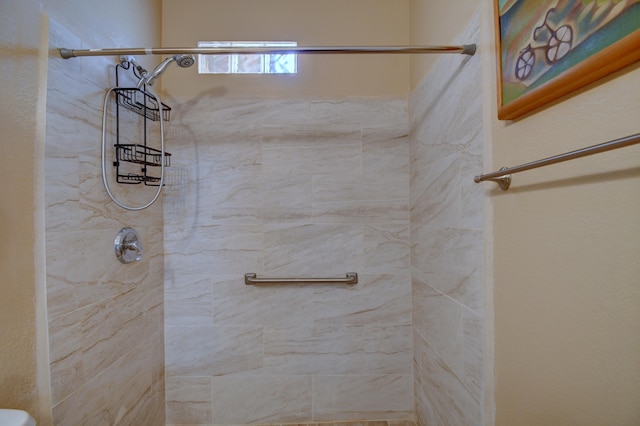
550 48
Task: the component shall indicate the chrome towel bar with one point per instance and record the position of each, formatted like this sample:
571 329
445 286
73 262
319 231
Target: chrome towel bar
251 278
503 176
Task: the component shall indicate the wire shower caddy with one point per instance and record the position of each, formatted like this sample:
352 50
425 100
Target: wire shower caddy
140 102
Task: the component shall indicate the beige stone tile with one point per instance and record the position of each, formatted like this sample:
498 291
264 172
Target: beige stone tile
425 153
318 158
376 299
424 412
386 249
292 251
121 393
154 356
112 327
215 147
473 354
72 115
261 399
370 185
90 261
150 408
261 305
209 108
388 349
440 321
341 397
62 194
286 198
86 341
213 350
450 260
189 400
385 149
309 135
319 349
371 111
65 353
188 300
435 194
472 195
225 249
233 190
60 296
359 212
449 400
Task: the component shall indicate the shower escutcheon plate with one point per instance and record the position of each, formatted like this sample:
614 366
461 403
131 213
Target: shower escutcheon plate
128 245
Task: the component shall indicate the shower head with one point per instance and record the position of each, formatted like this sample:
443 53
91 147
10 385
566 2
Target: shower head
183 61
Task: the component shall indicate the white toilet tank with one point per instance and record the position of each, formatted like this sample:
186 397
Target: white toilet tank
15 418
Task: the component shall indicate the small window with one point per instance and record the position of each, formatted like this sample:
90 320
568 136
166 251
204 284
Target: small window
273 63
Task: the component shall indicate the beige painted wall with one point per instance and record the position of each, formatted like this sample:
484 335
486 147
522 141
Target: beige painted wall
567 244
22 86
310 23
435 22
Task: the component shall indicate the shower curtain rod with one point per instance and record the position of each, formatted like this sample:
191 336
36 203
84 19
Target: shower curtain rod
466 49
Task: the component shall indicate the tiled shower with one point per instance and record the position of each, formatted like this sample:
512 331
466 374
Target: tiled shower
278 187
288 189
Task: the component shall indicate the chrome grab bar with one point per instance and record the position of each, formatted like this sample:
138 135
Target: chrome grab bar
251 279
503 176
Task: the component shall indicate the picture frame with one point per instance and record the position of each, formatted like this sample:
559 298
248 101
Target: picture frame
547 49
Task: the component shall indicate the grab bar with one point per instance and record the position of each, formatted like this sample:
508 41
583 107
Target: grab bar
503 176
251 278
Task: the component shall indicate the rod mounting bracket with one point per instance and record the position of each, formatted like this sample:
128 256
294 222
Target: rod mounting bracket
66 53
504 181
469 49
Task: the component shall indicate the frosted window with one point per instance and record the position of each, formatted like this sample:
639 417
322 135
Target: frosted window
277 63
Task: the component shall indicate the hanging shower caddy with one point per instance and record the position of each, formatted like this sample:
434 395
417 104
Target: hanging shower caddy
139 101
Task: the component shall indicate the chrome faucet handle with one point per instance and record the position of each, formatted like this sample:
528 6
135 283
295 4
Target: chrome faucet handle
134 246
128 245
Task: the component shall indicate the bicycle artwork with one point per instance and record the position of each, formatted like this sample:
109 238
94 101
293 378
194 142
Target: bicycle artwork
555 48
550 48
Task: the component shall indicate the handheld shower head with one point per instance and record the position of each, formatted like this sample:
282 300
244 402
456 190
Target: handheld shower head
183 61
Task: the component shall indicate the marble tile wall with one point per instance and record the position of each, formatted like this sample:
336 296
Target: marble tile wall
447 241
105 318
287 188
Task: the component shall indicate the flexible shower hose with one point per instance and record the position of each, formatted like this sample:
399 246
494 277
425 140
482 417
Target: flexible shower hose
103 155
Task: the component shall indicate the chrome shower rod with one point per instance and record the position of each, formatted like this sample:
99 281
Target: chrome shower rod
466 49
